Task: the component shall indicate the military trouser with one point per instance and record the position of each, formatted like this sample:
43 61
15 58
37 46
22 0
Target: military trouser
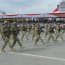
6 41
50 37
29 32
38 37
63 31
33 34
46 33
24 33
16 39
59 35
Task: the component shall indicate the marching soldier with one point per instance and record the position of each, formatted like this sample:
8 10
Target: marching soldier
6 32
15 31
63 28
29 29
50 32
24 31
46 29
58 32
33 31
38 33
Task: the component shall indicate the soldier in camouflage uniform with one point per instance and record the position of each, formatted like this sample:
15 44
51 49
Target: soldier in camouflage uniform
15 31
46 29
63 28
38 34
50 32
33 31
58 32
6 32
29 29
24 31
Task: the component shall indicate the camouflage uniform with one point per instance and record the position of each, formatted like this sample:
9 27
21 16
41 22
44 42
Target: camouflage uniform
63 29
24 32
46 29
29 29
58 31
33 31
15 31
6 32
50 32
38 33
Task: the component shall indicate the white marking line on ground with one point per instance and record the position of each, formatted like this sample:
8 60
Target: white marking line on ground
46 57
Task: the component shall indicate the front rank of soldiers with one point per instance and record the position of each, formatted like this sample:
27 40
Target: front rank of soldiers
34 31
9 29
6 32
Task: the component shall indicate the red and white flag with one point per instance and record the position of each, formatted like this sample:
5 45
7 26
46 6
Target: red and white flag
55 10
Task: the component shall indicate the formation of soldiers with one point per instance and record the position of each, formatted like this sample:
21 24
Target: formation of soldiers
36 31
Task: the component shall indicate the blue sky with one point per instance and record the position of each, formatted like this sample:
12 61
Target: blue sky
28 6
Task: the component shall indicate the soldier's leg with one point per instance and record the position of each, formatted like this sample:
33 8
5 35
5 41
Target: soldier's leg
41 40
37 39
4 46
57 36
61 37
14 42
3 37
46 33
22 35
49 38
29 33
9 44
5 43
17 39
63 31
33 35
26 35
53 38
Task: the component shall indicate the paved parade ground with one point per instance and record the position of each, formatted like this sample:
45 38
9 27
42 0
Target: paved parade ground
50 54
32 32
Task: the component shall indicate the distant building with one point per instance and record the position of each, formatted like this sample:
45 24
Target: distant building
61 6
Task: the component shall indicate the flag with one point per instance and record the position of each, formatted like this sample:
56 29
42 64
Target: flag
55 10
